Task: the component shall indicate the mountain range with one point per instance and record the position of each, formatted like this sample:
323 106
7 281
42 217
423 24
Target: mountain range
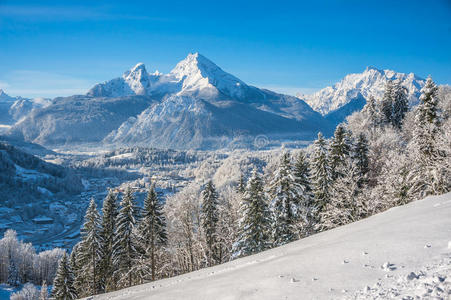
361 85
13 109
198 105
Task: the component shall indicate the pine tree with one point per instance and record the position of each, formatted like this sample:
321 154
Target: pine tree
387 103
321 173
360 157
241 184
306 199
125 251
400 104
152 228
108 225
372 112
90 249
255 224
346 204
286 194
428 108
63 284
428 173
44 293
339 151
426 124
209 219
13 273
79 278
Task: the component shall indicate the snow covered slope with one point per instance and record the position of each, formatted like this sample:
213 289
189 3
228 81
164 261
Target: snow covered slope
78 119
405 251
369 83
195 106
195 76
13 109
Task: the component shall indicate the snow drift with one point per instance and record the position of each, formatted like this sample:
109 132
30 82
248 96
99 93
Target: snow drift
405 251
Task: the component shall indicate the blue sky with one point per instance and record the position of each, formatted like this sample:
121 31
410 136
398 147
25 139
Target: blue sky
57 48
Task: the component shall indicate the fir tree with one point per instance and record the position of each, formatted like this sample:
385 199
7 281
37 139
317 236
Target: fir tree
241 184
360 156
90 249
209 219
79 278
387 103
13 273
152 228
109 215
428 108
429 174
321 173
286 194
372 112
346 204
400 104
426 123
124 247
306 199
255 224
339 151
63 284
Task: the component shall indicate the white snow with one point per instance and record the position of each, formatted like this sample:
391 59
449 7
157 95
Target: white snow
369 83
122 156
194 76
27 174
381 252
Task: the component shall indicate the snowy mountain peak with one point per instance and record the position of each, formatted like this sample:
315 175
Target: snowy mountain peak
372 68
140 68
193 64
5 97
195 76
201 77
371 82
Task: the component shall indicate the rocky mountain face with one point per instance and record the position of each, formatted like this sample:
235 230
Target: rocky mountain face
195 106
355 86
13 109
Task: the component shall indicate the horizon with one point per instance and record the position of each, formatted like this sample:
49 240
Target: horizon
284 90
54 50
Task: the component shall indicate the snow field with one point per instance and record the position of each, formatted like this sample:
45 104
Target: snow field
371 258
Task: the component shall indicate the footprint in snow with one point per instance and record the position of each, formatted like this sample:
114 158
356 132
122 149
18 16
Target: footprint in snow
388 267
345 261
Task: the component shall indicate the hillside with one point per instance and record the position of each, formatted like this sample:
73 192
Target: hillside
405 251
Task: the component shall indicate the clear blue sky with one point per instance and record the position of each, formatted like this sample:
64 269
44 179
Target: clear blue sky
51 48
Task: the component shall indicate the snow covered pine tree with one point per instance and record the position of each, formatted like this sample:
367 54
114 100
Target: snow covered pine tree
255 223
63 284
209 220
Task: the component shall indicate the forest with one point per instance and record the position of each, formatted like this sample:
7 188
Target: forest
383 156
